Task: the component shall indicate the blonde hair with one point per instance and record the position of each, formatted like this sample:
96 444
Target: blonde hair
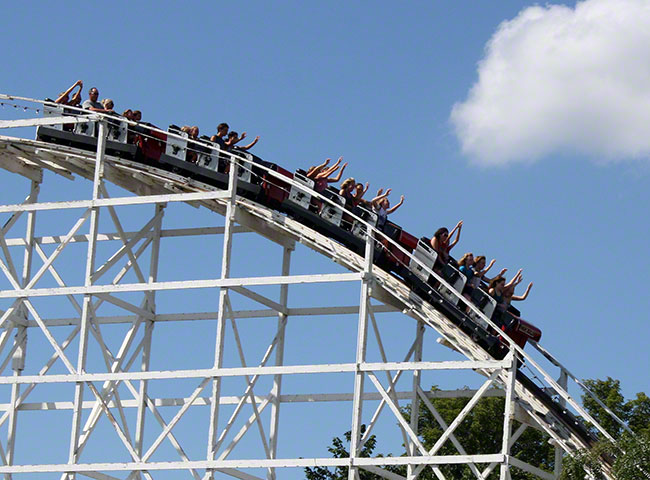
347 182
106 101
464 258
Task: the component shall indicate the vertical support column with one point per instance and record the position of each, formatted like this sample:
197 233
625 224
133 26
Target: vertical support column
559 453
148 332
18 361
276 390
86 312
362 336
415 400
221 316
18 365
508 415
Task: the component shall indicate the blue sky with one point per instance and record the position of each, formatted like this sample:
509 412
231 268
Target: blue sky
376 82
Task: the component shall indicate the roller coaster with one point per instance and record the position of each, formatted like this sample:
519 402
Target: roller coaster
391 265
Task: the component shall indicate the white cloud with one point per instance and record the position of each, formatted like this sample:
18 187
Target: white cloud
560 79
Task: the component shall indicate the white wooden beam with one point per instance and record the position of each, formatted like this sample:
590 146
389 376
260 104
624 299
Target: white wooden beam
35 122
179 285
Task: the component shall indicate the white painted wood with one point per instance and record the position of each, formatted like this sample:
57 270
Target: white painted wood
16 166
34 122
276 390
362 342
241 371
157 286
115 202
256 463
213 428
508 415
415 403
87 301
233 400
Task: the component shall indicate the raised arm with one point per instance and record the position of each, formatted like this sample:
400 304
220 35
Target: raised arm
315 170
525 295
338 177
500 274
78 83
380 196
322 165
516 279
487 269
456 229
76 98
250 145
399 204
232 141
100 110
329 171
239 139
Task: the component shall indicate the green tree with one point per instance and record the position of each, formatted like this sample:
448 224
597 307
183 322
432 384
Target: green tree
338 450
609 392
629 454
639 415
481 432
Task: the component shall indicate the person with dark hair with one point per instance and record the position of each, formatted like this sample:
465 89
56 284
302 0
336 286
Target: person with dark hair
128 114
93 104
503 292
137 116
218 138
508 296
64 97
234 138
481 271
440 243
496 287
360 192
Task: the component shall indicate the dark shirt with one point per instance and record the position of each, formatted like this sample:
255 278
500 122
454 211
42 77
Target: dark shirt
220 141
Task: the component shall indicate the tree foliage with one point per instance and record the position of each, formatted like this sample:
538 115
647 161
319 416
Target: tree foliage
338 450
482 430
629 454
